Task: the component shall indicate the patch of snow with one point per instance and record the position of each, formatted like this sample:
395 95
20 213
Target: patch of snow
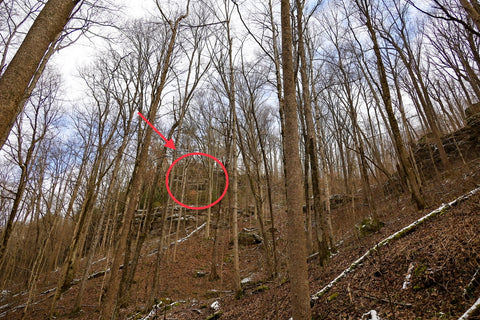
246 280
186 218
99 260
371 315
49 290
406 283
215 305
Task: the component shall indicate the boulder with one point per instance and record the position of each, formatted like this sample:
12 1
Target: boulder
249 236
338 200
185 217
465 140
472 110
200 274
393 185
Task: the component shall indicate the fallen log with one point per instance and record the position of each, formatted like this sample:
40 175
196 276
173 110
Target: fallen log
397 235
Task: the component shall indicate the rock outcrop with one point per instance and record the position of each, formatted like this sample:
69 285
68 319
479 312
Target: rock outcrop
249 236
463 143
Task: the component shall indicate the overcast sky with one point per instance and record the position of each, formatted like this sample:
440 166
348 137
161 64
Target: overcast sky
70 59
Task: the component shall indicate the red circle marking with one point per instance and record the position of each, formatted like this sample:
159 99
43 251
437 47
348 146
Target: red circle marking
197 154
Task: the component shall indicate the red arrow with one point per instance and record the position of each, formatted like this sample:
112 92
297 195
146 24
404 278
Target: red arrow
169 143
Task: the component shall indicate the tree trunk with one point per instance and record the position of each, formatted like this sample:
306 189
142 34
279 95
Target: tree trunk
213 265
18 74
109 310
473 10
405 162
13 212
128 279
181 210
210 200
311 144
79 234
254 179
297 251
158 256
234 193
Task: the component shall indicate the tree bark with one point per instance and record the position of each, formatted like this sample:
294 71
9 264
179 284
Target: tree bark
473 10
297 251
18 74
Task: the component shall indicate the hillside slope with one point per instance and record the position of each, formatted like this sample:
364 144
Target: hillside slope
441 256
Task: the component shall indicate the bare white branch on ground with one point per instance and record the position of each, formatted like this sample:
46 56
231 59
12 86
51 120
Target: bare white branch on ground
190 234
180 240
471 310
471 285
397 235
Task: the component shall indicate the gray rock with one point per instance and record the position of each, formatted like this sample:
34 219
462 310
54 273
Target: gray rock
249 236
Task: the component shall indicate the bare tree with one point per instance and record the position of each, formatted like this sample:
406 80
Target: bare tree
254 127
19 72
297 251
311 143
191 44
398 36
109 309
39 120
223 61
448 10
364 9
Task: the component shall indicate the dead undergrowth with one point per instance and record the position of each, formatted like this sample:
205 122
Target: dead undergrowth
441 257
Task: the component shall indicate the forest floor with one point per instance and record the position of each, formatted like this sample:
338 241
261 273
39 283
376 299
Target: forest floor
441 256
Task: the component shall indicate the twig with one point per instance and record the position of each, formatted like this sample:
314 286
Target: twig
403 304
471 285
